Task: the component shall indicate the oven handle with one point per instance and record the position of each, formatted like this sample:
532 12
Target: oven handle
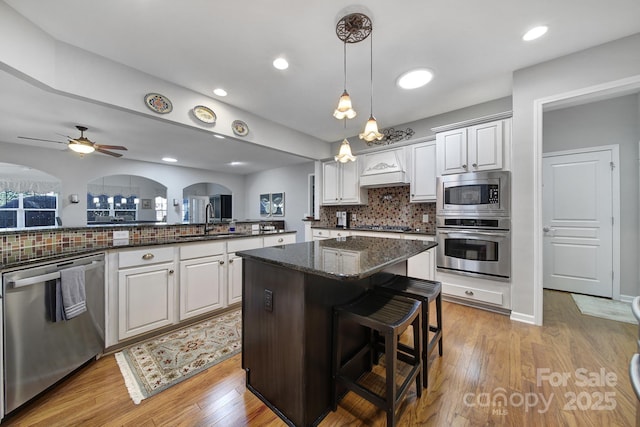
27 281
482 233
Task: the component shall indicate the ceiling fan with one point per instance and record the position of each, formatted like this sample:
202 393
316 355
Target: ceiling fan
83 145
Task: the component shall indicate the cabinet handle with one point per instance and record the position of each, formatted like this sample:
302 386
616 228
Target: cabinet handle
230 261
170 271
475 165
470 293
221 262
464 166
147 257
339 234
280 240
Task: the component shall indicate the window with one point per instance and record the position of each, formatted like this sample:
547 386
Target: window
104 208
24 210
161 209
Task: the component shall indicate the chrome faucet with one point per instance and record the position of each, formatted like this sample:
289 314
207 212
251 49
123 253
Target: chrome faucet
208 210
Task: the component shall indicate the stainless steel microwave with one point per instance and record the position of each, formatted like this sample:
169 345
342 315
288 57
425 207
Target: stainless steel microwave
486 193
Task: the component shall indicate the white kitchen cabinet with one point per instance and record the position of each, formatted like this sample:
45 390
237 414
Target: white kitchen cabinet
474 148
423 172
145 298
234 266
340 261
423 265
341 184
202 278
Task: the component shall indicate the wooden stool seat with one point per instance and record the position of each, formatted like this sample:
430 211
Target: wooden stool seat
388 316
424 291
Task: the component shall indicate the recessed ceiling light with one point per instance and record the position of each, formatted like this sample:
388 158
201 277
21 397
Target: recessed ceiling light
169 159
220 92
280 63
534 33
235 163
415 78
218 136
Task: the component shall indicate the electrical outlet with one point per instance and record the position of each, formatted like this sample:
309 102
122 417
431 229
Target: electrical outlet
425 218
268 300
353 217
122 234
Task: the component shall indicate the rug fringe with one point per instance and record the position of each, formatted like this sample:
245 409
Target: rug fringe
129 379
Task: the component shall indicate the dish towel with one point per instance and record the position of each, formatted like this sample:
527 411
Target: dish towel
74 299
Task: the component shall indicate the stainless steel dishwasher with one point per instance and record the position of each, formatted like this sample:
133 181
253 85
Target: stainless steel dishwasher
38 352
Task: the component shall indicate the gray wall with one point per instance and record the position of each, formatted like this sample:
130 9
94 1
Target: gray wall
598 65
292 181
610 122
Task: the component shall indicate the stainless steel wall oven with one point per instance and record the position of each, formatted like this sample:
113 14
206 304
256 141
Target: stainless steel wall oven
473 225
482 249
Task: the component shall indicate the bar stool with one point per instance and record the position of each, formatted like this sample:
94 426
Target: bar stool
389 316
424 291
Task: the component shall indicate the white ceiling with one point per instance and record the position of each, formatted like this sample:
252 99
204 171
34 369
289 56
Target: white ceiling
472 46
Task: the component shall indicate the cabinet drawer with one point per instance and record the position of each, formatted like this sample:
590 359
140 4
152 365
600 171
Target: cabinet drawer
235 245
149 255
202 249
320 233
279 239
470 293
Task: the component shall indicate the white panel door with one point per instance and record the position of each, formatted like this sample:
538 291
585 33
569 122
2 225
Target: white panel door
201 282
485 146
349 183
452 151
423 172
330 183
577 223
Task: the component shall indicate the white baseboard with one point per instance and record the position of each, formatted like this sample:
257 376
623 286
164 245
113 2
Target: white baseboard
627 298
524 318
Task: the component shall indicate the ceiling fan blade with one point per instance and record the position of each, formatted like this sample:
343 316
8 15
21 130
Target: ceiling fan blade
111 153
39 139
111 147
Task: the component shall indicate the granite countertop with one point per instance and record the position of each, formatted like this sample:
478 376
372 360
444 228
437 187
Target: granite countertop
417 231
348 258
81 250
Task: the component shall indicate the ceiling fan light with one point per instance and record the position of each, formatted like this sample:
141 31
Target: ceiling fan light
344 110
344 155
81 148
371 131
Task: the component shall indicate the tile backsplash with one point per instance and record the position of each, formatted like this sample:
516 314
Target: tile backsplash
387 206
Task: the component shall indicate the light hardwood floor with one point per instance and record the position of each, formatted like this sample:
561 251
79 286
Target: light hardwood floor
486 356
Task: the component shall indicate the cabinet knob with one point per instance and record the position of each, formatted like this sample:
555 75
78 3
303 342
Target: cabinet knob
339 234
413 195
221 262
464 166
170 271
280 240
230 261
475 165
147 256
470 293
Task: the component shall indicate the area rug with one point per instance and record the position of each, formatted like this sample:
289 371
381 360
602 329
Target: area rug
152 366
604 308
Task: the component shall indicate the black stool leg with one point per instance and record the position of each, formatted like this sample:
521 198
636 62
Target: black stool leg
425 343
439 317
391 344
418 352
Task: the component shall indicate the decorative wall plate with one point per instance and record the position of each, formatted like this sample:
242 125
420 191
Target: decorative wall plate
240 128
204 114
158 103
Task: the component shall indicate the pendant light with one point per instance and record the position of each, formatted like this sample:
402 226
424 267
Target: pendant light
344 110
371 128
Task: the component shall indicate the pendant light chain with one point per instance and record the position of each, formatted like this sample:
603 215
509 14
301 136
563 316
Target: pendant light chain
371 65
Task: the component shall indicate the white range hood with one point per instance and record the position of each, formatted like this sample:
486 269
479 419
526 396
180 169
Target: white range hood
387 168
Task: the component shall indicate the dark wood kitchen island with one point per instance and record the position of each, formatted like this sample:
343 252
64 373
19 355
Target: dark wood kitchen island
288 295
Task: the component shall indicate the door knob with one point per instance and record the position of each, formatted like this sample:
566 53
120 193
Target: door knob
546 229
